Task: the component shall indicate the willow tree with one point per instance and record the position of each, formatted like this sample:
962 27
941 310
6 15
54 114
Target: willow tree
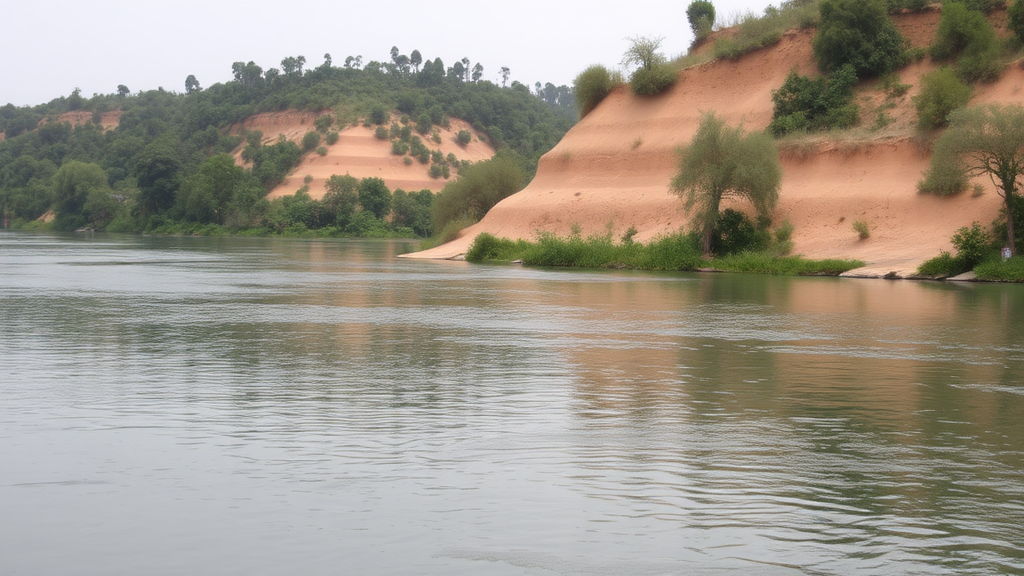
724 162
985 140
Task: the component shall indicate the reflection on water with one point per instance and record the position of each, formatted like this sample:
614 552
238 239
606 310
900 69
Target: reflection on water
222 405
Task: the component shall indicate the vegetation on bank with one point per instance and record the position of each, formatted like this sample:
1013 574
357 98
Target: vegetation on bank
166 164
673 252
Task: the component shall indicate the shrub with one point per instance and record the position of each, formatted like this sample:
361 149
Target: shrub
399 148
477 189
310 141
651 81
323 123
736 233
941 93
464 137
701 16
967 36
803 103
971 244
378 115
331 138
381 133
307 179
322 150
862 229
423 124
860 33
591 87
1016 23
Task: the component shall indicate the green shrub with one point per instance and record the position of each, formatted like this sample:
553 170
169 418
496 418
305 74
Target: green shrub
322 150
984 6
735 233
651 81
423 124
464 137
1011 270
813 104
323 123
489 247
477 189
967 36
378 115
971 244
862 229
941 93
1016 23
859 33
701 16
381 133
331 138
591 87
399 148
310 141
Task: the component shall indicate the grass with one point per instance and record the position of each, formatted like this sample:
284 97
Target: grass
1011 270
673 252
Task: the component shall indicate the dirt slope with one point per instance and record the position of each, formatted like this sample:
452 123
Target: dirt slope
357 152
615 165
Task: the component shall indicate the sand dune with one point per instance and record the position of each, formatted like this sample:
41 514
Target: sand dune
613 168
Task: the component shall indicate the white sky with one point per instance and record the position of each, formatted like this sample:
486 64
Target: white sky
50 47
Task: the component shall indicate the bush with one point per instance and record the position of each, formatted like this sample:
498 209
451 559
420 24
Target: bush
477 189
310 141
803 103
1016 23
859 33
381 133
399 148
862 229
591 87
464 137
967 36
423 124
323 123
941 93
971 244
322 150
701 16
651 81
736 233
378 115
331 138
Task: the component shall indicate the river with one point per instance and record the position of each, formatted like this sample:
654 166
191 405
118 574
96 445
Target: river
272 406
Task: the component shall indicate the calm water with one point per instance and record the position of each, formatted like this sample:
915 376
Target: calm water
268 406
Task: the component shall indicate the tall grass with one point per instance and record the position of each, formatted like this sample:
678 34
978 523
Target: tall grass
672 252
754 32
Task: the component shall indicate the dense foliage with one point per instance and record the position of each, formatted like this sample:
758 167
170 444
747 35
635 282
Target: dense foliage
591 86
165 163
859 33
701 16
965 36
476 190
941 93
651 72
813 104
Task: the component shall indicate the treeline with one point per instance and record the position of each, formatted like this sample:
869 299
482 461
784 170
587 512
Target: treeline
167 162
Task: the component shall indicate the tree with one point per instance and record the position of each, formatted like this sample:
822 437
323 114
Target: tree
122 90
416 59
651 75
941 93
206 193
985 140
723 162
341 197
505 72
327 60
1016 14
159 172
701 15
478 71
375 197
191 84
858 32
967 36
72 185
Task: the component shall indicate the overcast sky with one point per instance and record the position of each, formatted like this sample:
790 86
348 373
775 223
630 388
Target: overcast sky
48 47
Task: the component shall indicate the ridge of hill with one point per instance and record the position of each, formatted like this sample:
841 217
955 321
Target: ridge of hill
612 170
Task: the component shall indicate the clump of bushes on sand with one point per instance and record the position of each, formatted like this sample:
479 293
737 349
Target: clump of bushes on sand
941 93
592 86
966 38
652 74
814 104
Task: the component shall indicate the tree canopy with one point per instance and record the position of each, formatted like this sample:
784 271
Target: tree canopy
859 33
724 162
981 141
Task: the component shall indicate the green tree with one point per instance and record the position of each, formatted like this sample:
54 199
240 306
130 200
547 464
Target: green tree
941 93
722 162
375 197
858 32
72 185
1016 23
985 140
967 36
191 84
701 15
310 141
206 193
477 189
342 197
824 103
122 90
415 58
158 171
651 74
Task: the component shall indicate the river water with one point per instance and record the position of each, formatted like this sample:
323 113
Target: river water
277 406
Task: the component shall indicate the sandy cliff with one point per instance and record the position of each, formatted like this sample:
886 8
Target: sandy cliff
616 164
358 153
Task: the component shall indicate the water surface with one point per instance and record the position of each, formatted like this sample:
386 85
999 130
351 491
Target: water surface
269 406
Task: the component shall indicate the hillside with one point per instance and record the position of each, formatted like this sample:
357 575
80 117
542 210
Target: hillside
357 153
615 165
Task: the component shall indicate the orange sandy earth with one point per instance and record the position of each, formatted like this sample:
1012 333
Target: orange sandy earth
108 120
615 165
358 153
